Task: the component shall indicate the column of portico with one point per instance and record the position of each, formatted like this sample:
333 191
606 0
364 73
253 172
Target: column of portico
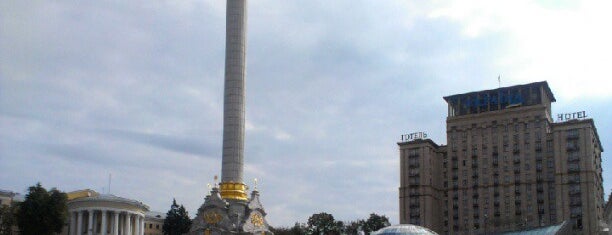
115 222
79 223
73 218
90 224
136 227
104 225
126 224
142 219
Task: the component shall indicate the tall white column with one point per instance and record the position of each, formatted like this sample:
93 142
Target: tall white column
90 224
126 224
136 225
80 223
104 225
73 218
142 219
116 223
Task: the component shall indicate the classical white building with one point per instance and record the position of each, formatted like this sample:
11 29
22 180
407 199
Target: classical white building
92 213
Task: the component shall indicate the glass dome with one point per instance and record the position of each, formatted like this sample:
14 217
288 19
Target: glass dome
404 229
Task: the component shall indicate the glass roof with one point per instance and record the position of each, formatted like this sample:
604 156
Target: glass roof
404 229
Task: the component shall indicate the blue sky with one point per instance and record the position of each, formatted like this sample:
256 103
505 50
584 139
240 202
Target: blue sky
134 89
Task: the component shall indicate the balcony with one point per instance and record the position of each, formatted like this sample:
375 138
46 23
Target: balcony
413 165
572 147
541 211
573 192
539 168
517 161
412 174
540 189
516 150
518 213
414 206
414 214
573 158
576 203
573 181
573 169
474 165
573 136
538 147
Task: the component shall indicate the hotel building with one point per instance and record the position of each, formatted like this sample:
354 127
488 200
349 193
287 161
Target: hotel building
509 164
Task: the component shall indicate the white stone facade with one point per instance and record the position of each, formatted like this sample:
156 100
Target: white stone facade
106 214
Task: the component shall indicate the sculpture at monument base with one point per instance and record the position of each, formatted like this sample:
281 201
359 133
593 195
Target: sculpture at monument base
218 216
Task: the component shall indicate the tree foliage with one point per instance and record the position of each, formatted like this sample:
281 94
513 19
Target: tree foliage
323 223
42 212
8 219
177 220
375 222
297 229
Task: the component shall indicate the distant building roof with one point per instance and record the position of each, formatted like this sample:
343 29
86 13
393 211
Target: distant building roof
404 229
155 214
7 193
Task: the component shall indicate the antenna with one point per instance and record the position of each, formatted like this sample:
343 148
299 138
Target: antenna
109 182
499 81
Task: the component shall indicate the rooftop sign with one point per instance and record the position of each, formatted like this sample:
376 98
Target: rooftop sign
413 136
562 117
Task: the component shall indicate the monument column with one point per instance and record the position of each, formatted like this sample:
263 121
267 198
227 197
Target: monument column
232 186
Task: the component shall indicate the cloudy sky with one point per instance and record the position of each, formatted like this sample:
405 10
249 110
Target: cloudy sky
134 89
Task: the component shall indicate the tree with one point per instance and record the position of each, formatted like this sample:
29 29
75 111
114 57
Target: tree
354 226
42 212
375 222
177 220
297 229
8 219
323 223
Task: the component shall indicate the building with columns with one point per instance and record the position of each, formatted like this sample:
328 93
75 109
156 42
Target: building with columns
92 213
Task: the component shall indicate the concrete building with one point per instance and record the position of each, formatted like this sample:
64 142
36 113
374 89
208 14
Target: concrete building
154 223
509 164
6 197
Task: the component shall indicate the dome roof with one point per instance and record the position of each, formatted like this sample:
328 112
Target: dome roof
404 229
109 198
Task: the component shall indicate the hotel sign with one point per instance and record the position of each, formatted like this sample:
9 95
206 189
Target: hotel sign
413 136
570 116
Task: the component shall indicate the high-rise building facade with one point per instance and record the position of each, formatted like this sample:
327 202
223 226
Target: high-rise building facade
509 164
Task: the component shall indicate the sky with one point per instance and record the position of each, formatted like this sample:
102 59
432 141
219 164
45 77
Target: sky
134 90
